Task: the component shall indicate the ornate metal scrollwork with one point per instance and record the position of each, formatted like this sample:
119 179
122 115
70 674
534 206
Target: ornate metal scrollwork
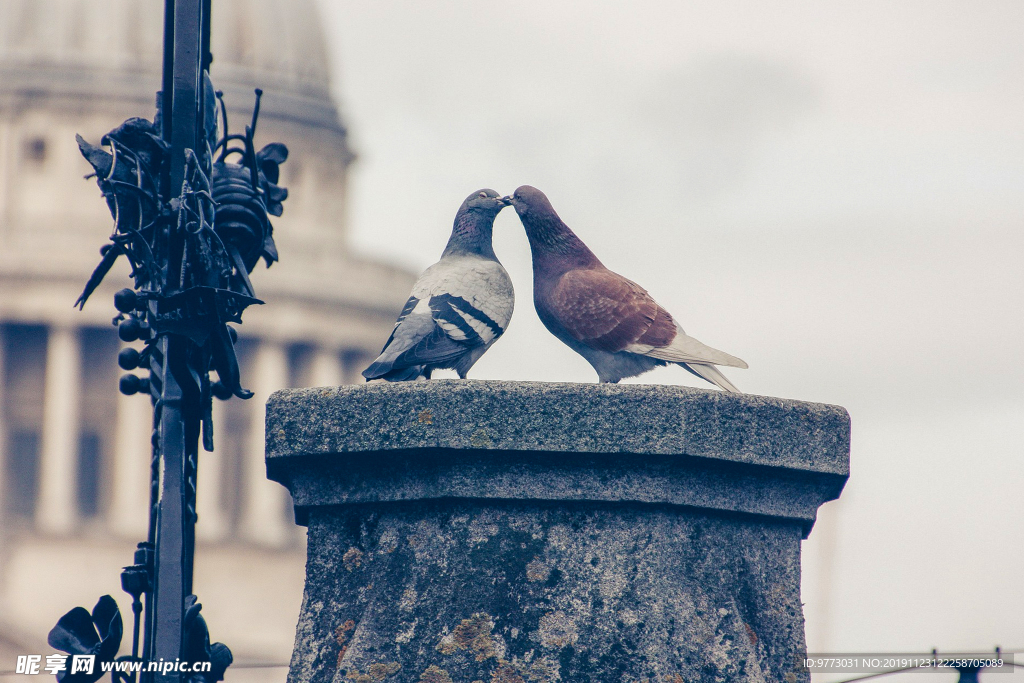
191 250
223 212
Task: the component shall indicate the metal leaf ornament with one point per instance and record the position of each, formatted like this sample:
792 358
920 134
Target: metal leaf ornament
247 194
197 646
81 633
223 210
127 177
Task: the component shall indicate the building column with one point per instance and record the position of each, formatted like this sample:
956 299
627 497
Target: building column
263 502
326 369
352 369
5 473
213 523
133 455
58 468
7 162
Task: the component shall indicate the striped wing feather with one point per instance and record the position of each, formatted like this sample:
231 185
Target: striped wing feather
456 305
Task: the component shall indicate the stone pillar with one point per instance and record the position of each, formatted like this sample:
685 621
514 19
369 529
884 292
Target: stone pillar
263 505
133 455
58 468
506 531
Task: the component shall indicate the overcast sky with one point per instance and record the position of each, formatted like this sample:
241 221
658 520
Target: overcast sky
833 191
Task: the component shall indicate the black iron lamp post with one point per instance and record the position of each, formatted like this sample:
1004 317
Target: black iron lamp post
191 214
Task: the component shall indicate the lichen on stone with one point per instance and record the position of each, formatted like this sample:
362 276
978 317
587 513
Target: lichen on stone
435 674
481 439
388 542
407 635
540 670
408 601
482 530
506 673
375 673
537 571
557 630
381 670
341 635
353 558
474 635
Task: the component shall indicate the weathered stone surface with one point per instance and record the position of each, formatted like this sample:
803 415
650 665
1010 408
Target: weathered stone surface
560 417
518 592
538 441
524 533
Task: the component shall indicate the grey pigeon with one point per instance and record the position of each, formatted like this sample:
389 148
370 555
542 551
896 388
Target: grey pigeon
459 306
609 320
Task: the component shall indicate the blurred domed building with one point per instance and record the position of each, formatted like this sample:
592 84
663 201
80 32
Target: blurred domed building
74 453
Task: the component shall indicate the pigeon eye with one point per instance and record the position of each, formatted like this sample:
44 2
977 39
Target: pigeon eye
482 194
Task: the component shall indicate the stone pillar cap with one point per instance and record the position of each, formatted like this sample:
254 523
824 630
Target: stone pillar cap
647 444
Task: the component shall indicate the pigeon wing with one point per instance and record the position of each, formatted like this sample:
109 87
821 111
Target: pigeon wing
472 301
456 306
406 310
611 313
608 312
427 343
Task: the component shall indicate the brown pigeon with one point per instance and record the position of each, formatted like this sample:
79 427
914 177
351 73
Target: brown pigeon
609 320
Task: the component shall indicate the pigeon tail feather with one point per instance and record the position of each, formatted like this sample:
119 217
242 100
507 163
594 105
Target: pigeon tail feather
395 374
686 349
380 371
711 374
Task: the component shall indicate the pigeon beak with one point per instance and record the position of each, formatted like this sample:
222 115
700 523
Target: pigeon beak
506 201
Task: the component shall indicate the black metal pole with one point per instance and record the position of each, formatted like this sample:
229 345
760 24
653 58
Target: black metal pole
185 223
174 526
169 581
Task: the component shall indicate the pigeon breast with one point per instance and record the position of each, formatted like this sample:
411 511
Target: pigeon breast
469 297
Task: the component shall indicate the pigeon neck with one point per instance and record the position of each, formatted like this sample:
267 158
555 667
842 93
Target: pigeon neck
471 234
556 247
